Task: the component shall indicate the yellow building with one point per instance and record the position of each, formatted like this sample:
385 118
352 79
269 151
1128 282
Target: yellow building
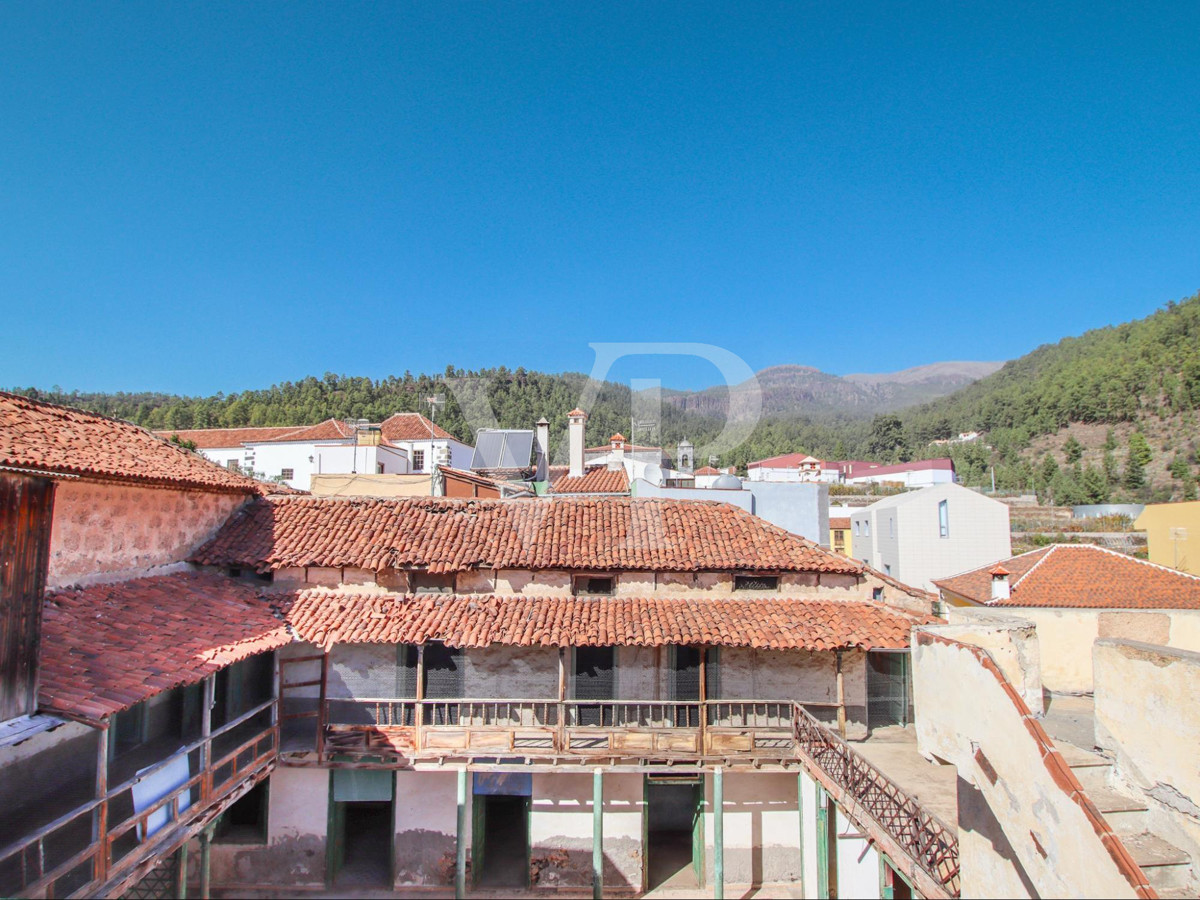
1173 532
839 535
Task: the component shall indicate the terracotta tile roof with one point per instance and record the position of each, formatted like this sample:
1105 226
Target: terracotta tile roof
1083 576
411 426
443 535
329 430
109 646
326 618
500 484
840 522
707 470
633 448
595 480
215 438
59 440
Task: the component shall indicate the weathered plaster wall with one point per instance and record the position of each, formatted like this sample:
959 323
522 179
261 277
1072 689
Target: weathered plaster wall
511 673
762 828
1066 636
426 825
750 674
1139 687
966 716
297 822
111 531
1014 643
561 830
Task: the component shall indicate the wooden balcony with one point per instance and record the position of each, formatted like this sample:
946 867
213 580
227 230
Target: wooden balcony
554 730
96 849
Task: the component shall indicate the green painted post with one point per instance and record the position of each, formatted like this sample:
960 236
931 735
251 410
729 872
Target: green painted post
822 843
718 834
886 889
205 868
181 887
460 862
597 833
800 816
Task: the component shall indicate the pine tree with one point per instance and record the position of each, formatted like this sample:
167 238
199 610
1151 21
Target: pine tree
1072 450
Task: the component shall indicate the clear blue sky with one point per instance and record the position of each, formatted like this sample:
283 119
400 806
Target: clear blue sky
199 196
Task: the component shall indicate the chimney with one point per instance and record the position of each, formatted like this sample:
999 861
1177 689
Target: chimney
1001 589
576 419
616 456
543 450
441 455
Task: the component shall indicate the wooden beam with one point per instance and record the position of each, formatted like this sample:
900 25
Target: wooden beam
419 693
560 739
100 832
205 863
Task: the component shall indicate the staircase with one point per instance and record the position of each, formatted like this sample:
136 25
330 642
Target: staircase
1168 868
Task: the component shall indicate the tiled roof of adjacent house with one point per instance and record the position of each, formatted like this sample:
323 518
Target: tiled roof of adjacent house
109 646
217 438
329 430
58 440
443 535
594 480
841 523
707 470
1082 576
411 426
326 618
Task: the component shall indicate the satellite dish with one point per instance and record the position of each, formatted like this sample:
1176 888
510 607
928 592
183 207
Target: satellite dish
653 474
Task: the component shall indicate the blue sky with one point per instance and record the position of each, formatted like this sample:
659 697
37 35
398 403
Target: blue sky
203 197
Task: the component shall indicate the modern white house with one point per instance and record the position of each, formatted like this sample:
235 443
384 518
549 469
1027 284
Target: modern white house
916 474
931 533
403 444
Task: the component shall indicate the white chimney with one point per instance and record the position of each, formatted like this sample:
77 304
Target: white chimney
616 455
1001 590
543 449
576 420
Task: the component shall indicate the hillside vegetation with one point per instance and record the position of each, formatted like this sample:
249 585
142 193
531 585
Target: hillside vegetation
1109 415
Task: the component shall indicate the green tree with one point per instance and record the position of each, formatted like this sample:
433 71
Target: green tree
1110 440
1139 448
1094 486
1072 450
887 438
1135 472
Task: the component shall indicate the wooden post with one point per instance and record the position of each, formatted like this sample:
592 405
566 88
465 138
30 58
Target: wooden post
718 834
561 737
822 843
841 696
419 693
703 700
322 713
597 833
205 870
100 830
210 687
460 860
181 885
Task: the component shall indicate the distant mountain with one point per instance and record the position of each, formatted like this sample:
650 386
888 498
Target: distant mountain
792 391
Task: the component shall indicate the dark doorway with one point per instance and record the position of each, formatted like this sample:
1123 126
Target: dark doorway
366 844
500 849
889 690
674 834
595 679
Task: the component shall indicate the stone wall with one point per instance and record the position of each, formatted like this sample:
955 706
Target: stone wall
105 532
1147 718
426 825
1026 831
297 823
1067 635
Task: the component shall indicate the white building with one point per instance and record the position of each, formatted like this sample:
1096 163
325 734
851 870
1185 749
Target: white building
405 443
916 474
931 533
795 467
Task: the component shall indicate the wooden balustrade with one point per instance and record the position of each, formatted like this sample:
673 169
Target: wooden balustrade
206 787
552 728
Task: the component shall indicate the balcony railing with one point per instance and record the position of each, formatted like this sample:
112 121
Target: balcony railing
480 727
860 788
114 849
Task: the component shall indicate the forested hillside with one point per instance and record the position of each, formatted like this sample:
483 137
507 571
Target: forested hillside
1109 415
